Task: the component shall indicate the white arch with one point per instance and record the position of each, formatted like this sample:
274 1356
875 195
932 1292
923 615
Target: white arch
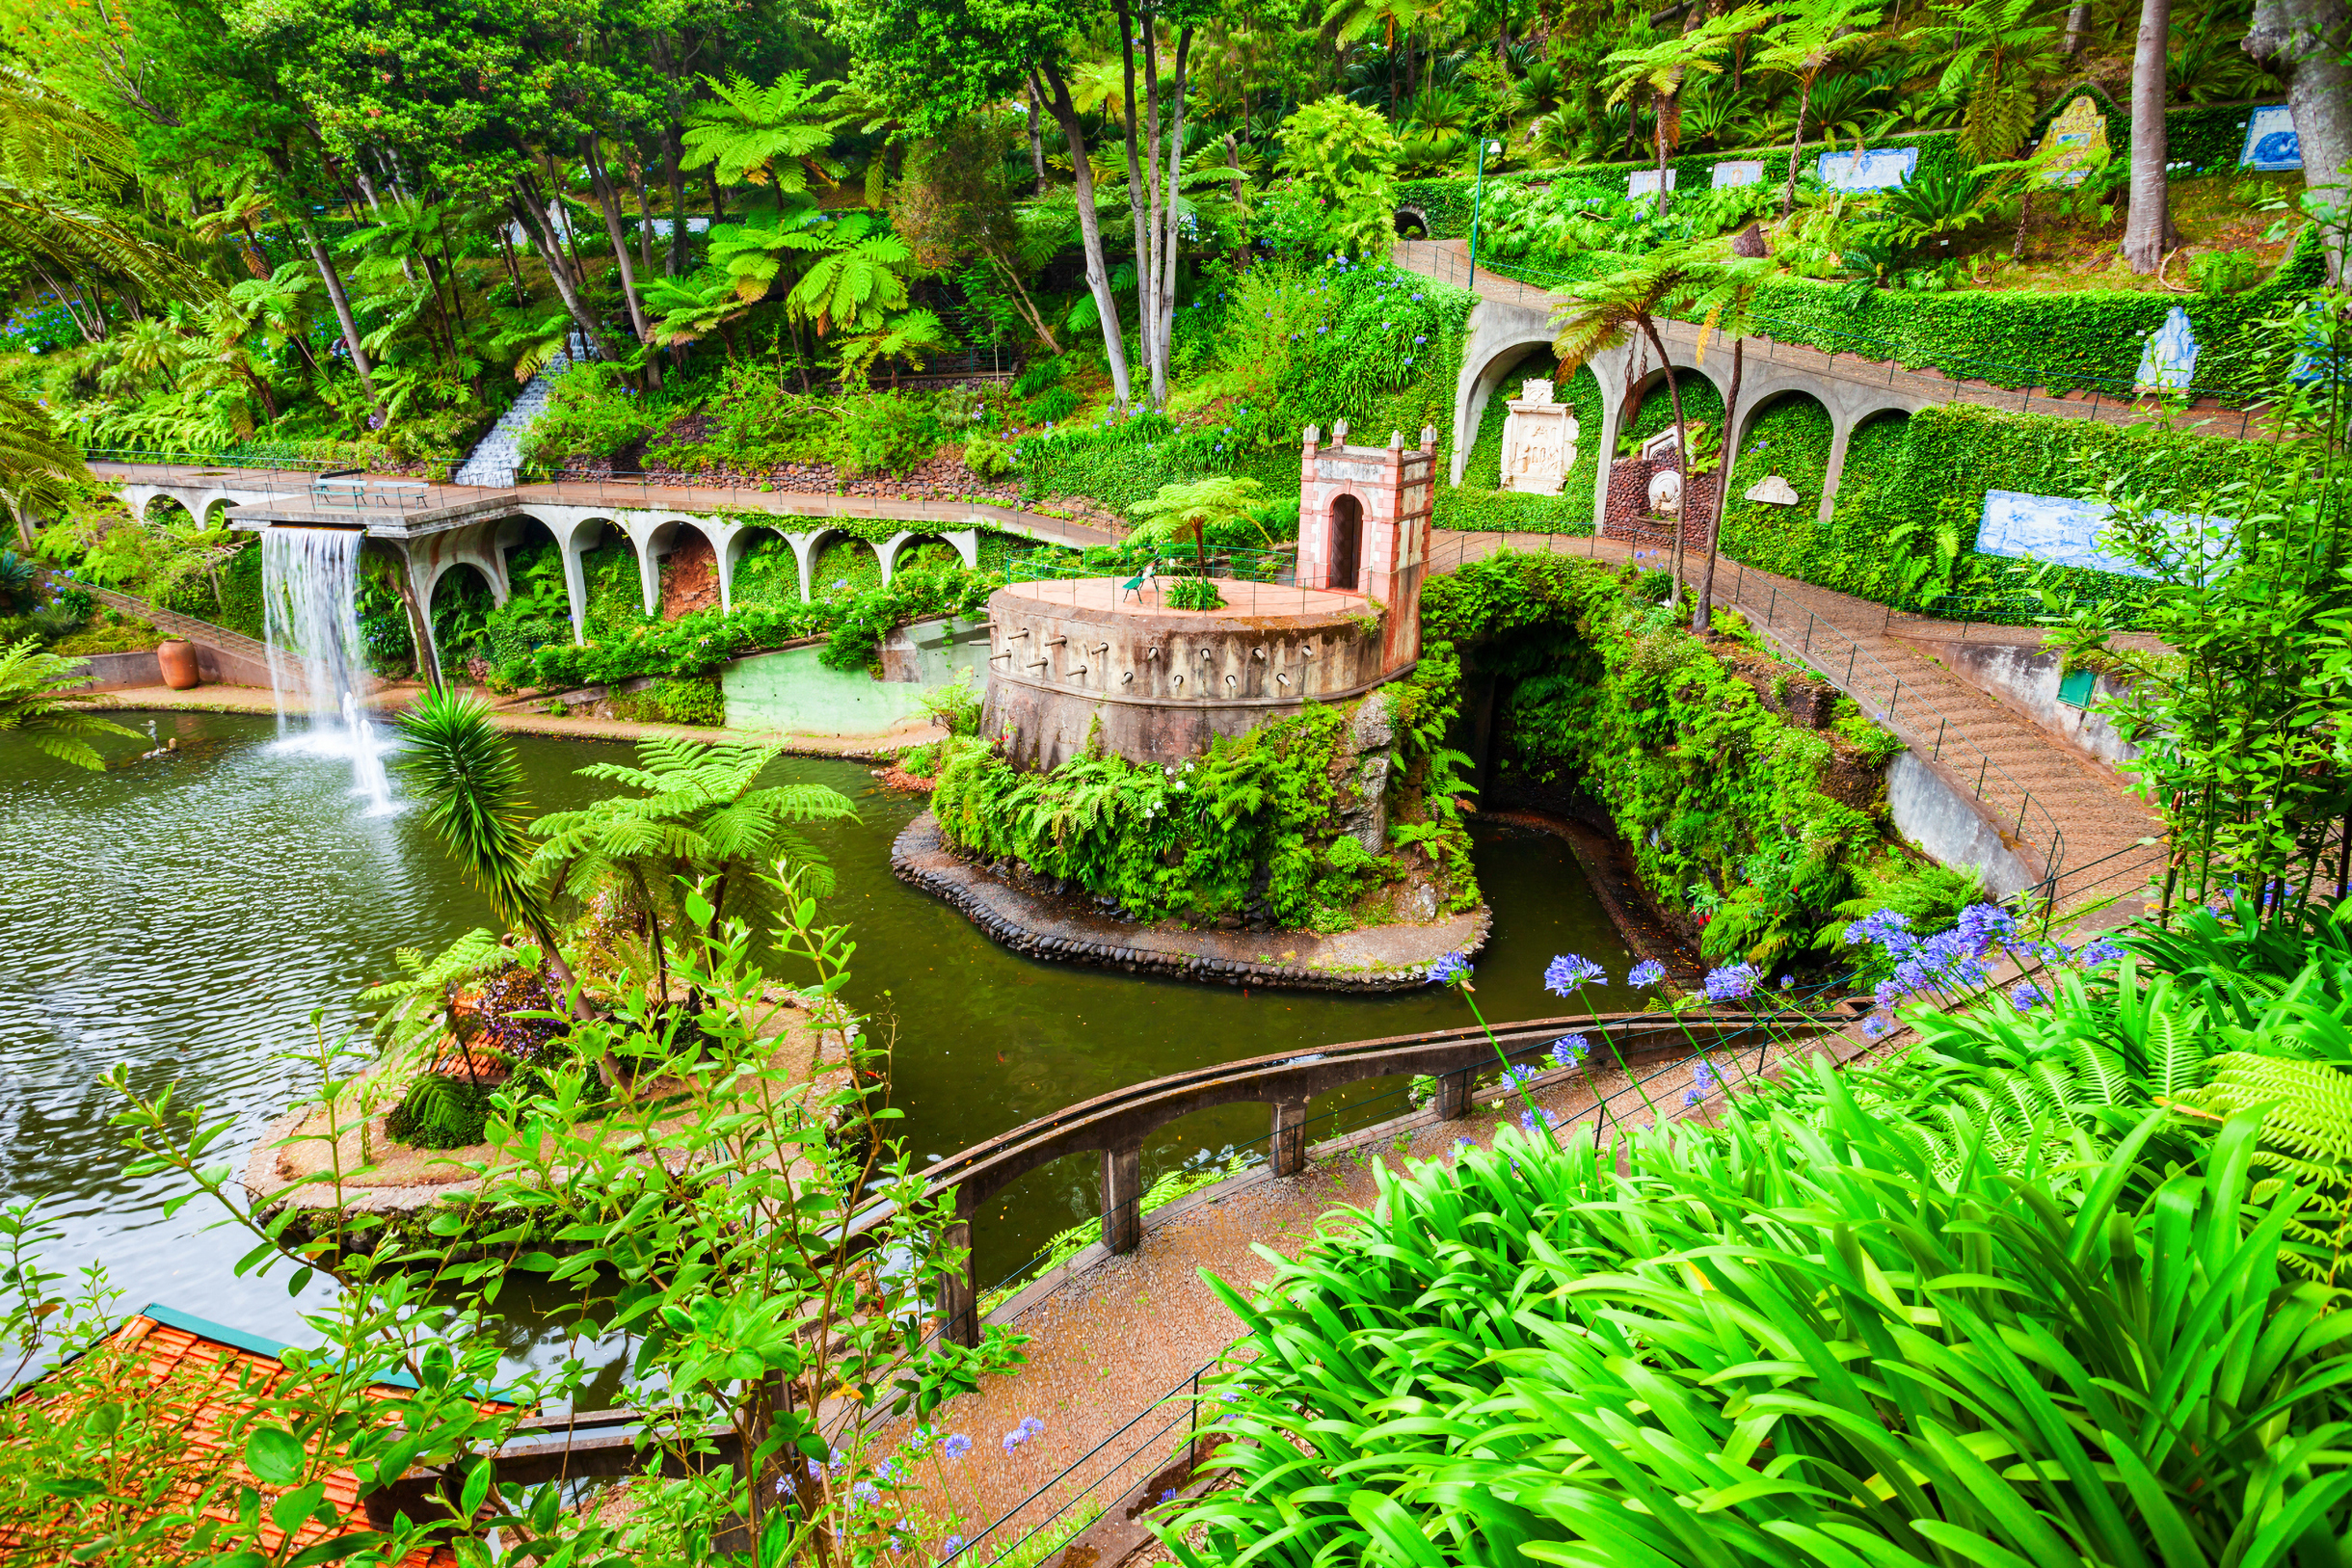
966 543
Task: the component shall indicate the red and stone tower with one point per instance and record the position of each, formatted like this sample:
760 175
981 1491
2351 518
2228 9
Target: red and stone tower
1364 528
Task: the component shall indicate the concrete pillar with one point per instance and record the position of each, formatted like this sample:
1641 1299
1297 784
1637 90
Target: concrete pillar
1613 409
1287 1148
1452 1095
888 554
966 543
1122 1198
575 579
959 1296
1841 431
649 566
804 550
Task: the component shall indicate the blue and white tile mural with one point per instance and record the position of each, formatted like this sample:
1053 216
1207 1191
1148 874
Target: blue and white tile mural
2271 145
1880 169
2170 359
2048 528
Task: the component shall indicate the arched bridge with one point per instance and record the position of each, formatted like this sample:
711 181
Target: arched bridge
432 529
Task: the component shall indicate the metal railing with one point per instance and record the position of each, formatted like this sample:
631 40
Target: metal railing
145 457
1870 359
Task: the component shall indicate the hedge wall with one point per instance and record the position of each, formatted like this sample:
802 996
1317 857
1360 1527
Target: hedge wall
2088 341
2203 136
1447 200
1913 492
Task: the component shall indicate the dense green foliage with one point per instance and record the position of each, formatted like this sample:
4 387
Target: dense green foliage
1794 1340
1759 826
1248 827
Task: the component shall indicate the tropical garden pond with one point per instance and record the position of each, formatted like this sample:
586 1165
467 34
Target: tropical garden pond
196 910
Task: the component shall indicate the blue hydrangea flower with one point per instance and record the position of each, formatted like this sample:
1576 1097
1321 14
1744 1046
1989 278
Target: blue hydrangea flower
1571 972
1731 982
1646 973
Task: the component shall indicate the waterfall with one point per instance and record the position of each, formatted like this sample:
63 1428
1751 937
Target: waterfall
310 609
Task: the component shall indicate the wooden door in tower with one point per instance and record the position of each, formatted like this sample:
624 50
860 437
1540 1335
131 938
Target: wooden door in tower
1347 541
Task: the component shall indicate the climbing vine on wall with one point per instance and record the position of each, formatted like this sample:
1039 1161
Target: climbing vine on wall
1761 827
1251 827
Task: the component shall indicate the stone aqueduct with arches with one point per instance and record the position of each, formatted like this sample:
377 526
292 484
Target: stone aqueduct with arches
484 544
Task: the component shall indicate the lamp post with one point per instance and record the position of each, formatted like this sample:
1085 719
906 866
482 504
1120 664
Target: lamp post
1478 191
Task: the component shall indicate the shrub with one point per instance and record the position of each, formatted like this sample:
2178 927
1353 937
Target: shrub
887 433
1194 593
591 413
694 700
1795 1340
1038 377
1342 158
1054 403
2225 271
438 1113
989 460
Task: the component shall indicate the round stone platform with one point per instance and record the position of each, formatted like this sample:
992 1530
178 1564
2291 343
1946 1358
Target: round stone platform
1092 657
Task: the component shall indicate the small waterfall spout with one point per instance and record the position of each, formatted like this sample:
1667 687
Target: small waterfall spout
310 609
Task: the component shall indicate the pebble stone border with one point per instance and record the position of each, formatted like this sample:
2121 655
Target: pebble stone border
1023 922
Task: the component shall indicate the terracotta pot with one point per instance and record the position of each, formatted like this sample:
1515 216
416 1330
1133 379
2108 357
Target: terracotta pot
178 661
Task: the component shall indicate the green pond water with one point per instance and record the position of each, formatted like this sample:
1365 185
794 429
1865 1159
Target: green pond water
185 916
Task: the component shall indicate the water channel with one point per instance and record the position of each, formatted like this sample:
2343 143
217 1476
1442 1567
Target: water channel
185 915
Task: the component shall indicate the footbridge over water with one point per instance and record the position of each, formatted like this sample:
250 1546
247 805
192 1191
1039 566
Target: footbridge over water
432 529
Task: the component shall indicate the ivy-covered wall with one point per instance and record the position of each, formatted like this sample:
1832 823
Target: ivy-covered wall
1760 827
1903 530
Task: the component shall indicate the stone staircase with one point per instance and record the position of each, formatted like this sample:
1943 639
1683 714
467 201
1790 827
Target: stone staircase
498 456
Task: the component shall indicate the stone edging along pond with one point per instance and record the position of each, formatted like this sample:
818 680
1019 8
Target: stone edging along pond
1069 930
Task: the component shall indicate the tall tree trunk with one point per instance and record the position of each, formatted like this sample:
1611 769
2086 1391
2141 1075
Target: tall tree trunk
1233 161
1668 113
2303 42
1146 306
1037 144
2077 23
1702 620
2148 229
1168 229
609 199
342 312
1682 456
1796 146
522 202
645 222
1090 233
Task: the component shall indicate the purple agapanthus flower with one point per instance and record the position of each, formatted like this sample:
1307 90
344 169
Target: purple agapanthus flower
1983 926
1514 1077
2102 951
2025 996
1704 1082
1451 971
1571 972
1888 928
956 1446
1874 1025
1646 973
1528 1120
1571 1050
1731 982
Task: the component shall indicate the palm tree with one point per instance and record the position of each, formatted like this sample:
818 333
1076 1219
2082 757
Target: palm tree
1805 46
778 132
38 470
1662 68
1725 300
31 701
1993 53
473 783
857 276
699 818
1600 313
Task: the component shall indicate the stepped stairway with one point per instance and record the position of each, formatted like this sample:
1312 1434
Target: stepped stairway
498 456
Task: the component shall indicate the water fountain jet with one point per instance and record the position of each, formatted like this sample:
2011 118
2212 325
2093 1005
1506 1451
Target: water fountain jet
311 611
